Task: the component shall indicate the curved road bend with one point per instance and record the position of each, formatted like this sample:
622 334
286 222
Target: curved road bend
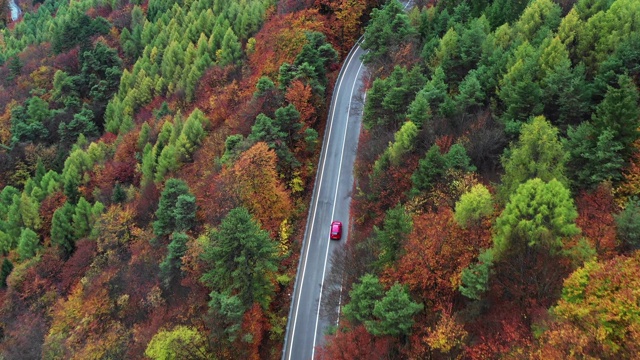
331 201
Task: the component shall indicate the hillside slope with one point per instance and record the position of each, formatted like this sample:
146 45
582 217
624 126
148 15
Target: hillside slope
496 203
156 166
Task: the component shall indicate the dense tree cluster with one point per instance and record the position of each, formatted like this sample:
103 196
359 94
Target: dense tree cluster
152 156
509 130
156 160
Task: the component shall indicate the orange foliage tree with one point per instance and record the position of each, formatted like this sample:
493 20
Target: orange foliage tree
75 268
121 169
82 325
281 39
497 333
42 77
5 123
300 95
447 334
630 184
223 101
254 180
436 252
95 320
376 194
349 14
345 19
598 316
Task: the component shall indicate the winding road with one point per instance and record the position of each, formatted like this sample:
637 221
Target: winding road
331 201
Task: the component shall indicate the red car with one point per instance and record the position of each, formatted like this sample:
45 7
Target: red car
336 230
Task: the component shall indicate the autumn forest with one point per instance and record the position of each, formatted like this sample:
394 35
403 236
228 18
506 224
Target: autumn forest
158 158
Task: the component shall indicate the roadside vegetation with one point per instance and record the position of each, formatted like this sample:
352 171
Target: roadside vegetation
496 211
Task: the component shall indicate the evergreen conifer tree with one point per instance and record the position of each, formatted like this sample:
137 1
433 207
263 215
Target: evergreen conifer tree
27 244
62 232
5 270
166 214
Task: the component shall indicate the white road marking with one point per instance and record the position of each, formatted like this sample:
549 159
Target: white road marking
335 197
345 240
315 208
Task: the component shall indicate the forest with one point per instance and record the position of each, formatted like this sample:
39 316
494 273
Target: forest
158 157
156 167
496 207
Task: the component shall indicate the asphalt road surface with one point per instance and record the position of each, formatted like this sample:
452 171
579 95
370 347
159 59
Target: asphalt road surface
331 201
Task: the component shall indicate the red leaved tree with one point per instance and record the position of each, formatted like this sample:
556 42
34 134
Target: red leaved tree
355 344
75 268
255 324
595 218
496 333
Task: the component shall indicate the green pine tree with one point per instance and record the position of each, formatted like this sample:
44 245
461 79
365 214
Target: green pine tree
148 165
62 232
5 270
72 180
191 135
388 27
430 169
363 297
29 212
82 219
227 309
403 144
119 195
230 50
593 157
395 312
13 224
537 154
541 214
473 205
185 212
170 266
241 258
167 162
475 278
144 136
457 159
628 224
165 215
6 243
28 244
391 237
619 113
